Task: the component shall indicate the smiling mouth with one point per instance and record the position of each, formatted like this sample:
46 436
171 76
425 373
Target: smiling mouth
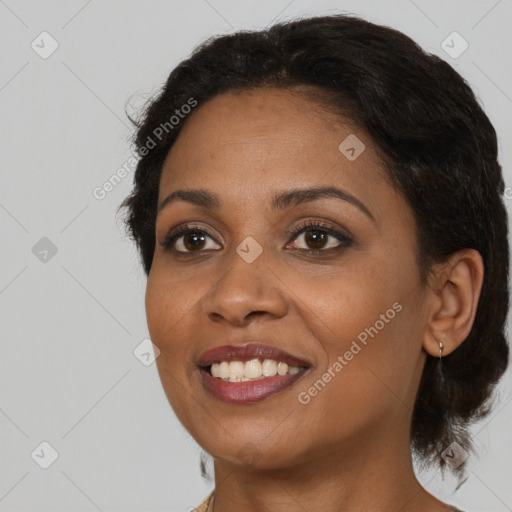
248 382
251 370
249 373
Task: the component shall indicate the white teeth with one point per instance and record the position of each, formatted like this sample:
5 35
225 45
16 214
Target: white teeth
223 370
236 369
254 369
282 368
269 368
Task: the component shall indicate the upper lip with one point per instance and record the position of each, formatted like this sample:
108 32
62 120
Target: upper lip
247 352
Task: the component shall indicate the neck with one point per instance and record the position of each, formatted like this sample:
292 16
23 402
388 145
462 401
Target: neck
375 476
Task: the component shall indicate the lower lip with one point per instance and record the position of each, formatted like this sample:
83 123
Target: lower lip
249 391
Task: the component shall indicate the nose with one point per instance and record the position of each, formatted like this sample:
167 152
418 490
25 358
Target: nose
245 291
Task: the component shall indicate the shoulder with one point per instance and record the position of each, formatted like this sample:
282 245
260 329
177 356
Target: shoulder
204 505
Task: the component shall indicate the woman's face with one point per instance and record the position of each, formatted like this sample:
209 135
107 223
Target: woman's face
353 312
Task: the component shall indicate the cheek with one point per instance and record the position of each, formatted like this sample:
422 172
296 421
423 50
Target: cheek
169 306
160 310
368 378
166 312
368 324
341 304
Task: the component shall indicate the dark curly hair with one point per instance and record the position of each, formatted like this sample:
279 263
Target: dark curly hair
440 152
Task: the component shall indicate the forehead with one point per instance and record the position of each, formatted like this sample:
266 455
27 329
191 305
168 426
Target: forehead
245 145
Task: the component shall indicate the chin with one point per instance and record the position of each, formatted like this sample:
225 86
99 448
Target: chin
251 452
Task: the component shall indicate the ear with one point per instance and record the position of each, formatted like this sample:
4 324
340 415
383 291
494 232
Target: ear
454 292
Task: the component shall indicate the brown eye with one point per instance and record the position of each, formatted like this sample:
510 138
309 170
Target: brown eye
187 239
316 237
193 241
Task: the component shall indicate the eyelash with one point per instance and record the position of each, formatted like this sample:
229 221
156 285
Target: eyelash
345 241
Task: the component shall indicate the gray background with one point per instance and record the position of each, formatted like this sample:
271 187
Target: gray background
70 321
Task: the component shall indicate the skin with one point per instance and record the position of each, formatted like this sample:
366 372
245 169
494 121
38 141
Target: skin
348 448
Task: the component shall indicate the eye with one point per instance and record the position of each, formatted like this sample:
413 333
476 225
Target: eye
316 236
186 239
189 238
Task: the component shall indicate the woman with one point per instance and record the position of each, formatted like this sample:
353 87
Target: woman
318 211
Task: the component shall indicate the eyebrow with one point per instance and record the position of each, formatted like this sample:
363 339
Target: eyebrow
281 201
